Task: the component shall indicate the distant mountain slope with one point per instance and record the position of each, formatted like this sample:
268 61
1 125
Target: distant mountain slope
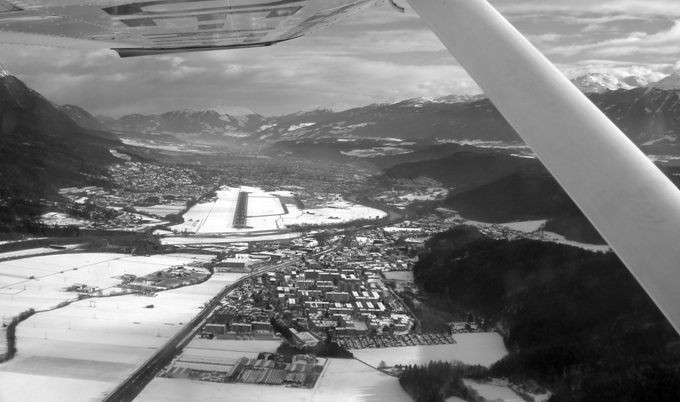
411 119
646 114
429 153
491 186
466 169
42 149
519 196
639 110
81 117
210 126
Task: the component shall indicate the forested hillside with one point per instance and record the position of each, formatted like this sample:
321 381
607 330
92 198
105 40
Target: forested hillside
574 319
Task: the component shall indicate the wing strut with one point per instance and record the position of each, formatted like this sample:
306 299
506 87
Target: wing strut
628 199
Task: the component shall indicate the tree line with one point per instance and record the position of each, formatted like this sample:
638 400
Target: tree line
437 381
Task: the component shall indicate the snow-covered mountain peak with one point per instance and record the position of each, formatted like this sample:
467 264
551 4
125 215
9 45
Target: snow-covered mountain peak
601 82
670 83
234 111
414 102
458 98
3 71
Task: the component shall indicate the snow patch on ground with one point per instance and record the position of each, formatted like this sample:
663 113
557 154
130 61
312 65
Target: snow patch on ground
26 253
376 151
671 138
526 226
399 275
299 126
554 237
494 392
161 210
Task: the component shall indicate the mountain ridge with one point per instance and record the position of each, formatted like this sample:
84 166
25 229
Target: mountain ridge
446 118
41 148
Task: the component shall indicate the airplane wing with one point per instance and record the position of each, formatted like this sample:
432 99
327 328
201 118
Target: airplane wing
138 28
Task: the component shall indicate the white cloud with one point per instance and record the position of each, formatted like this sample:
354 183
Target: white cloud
651 72
637 8
634 43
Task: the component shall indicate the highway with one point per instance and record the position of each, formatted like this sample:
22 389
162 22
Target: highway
130 388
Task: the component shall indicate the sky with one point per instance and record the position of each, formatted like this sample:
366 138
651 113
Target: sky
378 55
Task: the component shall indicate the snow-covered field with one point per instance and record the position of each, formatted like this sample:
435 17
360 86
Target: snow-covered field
494 392
351 380
554 237
38 282
525 226
25 253
21 240
399 275
161 210
226 347
484 348
176 390
332 213
263 205
83 351
344 380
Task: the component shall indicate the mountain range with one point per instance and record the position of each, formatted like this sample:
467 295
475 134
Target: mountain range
647 113
218 125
